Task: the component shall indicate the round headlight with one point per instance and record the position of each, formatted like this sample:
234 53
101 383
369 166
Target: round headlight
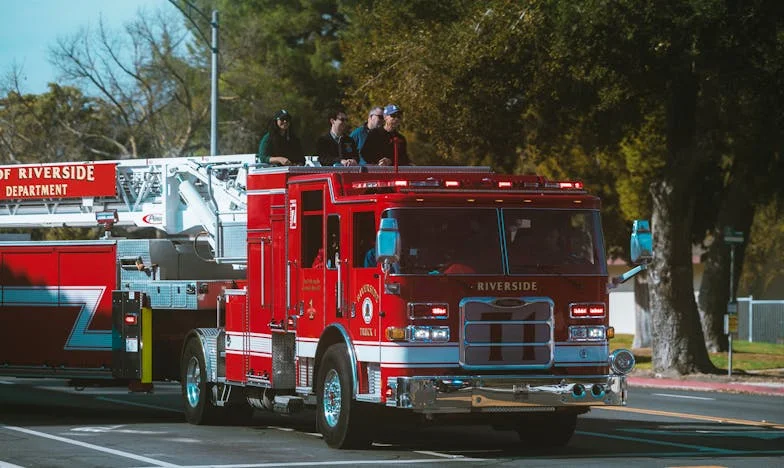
622 361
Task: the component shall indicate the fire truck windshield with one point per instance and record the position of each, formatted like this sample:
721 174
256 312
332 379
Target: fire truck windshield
469 241
556 241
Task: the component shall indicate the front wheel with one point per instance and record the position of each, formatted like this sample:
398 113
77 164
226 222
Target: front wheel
199 409
339 419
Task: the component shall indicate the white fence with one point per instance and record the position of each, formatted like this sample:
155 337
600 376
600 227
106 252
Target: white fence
622 311
760 320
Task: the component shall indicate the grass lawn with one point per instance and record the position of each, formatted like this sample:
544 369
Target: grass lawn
745 355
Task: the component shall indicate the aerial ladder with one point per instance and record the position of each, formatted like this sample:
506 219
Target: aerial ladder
184 196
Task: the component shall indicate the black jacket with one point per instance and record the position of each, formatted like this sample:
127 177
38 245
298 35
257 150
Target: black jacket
330 151
379 144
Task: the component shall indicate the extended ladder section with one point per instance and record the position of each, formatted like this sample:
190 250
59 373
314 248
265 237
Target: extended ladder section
192 196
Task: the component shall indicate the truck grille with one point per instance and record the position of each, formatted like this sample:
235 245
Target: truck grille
506 333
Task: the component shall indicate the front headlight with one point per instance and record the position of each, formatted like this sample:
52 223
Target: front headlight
419 334
587 333
428 334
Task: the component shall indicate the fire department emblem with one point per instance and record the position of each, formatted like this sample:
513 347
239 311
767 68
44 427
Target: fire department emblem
367 310
365 297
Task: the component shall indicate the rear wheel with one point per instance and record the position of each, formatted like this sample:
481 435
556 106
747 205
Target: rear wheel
339 419
199 409
547 430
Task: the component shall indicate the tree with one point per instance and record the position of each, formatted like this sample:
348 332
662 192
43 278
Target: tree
149 82
573 80
276 55
59 125
745 95
764 263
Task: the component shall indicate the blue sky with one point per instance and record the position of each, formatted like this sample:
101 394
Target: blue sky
29 28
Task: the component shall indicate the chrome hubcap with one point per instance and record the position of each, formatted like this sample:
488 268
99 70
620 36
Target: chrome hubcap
192 380
331 398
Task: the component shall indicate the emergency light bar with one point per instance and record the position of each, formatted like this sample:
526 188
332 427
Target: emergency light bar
484 184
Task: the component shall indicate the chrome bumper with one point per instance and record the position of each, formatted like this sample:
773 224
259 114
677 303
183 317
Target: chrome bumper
466 394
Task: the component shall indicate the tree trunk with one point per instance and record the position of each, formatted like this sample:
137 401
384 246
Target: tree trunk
678 343
642 312
737 211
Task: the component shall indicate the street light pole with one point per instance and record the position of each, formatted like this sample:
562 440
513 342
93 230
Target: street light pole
214 73
214 93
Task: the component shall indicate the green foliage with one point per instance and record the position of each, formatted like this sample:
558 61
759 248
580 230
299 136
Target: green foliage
761 269
590 90
276 55
59 125
643 153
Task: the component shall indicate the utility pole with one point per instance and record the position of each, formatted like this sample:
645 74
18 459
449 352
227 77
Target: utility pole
214 87
214 76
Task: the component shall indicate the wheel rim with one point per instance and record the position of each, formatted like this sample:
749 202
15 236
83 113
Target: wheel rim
192 381
331 398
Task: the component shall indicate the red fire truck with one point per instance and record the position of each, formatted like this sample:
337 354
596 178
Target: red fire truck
436 293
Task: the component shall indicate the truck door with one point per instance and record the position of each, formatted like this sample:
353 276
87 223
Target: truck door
365 283
308 252
323 277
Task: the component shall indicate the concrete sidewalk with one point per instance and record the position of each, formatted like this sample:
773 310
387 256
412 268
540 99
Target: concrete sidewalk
743 384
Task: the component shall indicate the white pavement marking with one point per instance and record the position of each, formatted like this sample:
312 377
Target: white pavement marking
683 396
8 465
5 382
341 462
438 454
143 405
118 453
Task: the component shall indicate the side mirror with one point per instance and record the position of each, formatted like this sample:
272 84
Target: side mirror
388 242
641 252
641 242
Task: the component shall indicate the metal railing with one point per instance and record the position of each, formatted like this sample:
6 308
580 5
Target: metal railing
761 321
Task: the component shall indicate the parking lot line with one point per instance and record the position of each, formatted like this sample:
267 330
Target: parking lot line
118 453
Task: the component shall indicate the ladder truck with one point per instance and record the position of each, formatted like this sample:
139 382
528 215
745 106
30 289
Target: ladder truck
435 294
56 297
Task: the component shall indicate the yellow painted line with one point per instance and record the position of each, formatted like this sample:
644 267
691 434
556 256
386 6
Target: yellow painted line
699 417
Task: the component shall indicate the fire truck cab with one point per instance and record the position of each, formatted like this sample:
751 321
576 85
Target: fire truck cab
436 292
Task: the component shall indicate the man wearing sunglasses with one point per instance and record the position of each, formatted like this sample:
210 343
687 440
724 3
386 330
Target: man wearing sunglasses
336 148
385 146
375 119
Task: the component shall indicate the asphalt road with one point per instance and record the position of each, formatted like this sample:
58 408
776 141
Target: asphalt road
44 423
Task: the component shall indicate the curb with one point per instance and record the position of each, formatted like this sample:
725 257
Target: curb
762 388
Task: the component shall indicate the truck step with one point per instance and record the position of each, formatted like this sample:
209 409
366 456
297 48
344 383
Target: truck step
287 404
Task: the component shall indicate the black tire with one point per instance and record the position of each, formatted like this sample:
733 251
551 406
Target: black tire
199 408
339 417
547 430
